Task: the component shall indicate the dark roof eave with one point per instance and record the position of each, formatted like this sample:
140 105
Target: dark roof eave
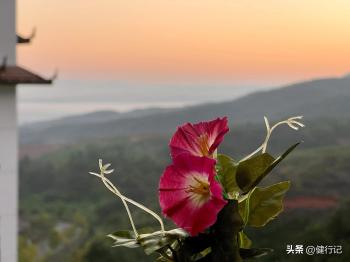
13 75
46 82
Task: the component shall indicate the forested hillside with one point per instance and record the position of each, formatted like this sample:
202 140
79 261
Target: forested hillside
65 212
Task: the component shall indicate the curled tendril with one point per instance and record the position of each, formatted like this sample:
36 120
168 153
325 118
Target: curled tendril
293 122
111 187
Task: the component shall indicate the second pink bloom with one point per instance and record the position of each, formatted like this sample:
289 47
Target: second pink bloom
189 193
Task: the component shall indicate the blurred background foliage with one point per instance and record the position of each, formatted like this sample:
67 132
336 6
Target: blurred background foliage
65 213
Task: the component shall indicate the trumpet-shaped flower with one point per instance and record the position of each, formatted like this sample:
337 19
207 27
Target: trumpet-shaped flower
189 193
199 139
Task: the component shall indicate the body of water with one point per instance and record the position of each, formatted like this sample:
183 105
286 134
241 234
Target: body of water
72 97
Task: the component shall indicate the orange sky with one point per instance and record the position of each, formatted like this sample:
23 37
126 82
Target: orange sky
221 40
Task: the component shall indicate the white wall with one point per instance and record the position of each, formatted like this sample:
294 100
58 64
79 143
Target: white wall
8 138
8 30
8 173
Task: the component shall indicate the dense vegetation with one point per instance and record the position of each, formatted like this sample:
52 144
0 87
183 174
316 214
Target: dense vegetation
65 212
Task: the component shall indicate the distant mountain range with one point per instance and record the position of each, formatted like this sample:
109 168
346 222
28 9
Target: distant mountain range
322 98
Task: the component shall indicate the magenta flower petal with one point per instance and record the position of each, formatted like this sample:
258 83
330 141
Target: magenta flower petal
189 193
199 139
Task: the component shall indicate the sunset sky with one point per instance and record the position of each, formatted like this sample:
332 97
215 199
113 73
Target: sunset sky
242 41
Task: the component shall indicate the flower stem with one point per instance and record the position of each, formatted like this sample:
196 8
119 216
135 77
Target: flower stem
125 199
114 190
292 122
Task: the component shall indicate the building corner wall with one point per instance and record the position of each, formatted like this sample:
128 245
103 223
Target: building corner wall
8 139
8 38
8 174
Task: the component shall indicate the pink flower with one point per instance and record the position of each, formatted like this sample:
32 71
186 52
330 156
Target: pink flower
199 139
189 193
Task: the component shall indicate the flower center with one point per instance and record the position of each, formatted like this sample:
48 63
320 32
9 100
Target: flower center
203 144
198 190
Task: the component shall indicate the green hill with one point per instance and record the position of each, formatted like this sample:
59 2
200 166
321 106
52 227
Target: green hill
65 212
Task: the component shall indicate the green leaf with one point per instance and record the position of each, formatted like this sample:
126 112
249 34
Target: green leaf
254 252
164 259
250 170
283 156
157 240
226 170
124 238
244 241
263 204
150 242
201 255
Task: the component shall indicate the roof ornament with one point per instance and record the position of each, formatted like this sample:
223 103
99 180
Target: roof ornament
26 40
3 64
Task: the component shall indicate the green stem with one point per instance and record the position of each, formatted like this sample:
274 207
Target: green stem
225 247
